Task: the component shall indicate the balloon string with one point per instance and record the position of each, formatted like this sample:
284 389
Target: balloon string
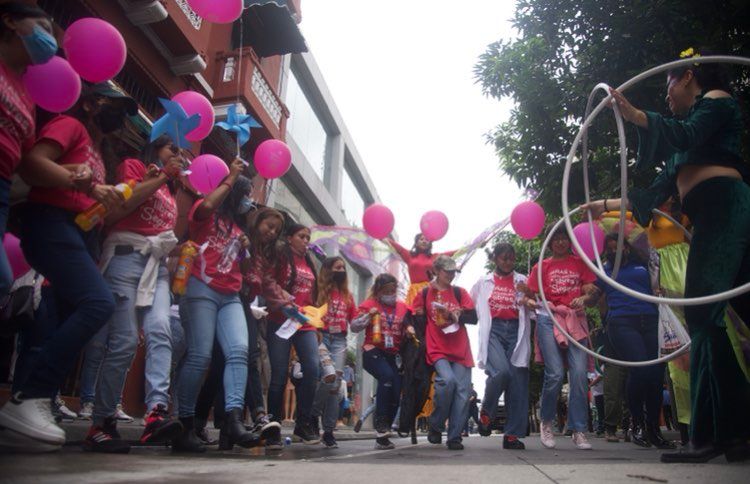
239 73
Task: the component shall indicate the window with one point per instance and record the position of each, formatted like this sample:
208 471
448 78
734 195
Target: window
351 201
305 127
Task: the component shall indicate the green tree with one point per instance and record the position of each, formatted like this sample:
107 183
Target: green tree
564 48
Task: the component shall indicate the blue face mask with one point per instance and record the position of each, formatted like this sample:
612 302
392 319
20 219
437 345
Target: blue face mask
245 205
40 45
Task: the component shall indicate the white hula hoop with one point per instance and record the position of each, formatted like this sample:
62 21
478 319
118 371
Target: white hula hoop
566 178
591 352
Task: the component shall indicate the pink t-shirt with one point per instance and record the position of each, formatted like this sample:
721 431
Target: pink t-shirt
562 279
454 347
340 312
206 264
16 121
503 298
77 148
157 214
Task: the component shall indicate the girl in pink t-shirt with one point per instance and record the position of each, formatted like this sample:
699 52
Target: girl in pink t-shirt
215 312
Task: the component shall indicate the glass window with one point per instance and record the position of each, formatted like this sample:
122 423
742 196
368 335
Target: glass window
305 127
352 202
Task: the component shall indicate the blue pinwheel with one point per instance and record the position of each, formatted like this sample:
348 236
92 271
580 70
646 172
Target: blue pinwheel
240 124
175 123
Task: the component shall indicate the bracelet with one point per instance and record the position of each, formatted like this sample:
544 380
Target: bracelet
605 205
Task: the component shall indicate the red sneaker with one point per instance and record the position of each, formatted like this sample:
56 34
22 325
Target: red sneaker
160 427
105 439
484 424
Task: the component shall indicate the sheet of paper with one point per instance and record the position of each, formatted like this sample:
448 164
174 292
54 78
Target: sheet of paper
451 328
287 329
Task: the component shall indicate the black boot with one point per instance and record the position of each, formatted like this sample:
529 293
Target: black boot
657 440
639 433
234 432
188 441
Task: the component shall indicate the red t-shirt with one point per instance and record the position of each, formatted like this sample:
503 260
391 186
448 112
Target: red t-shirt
157 214
503 298
206 264
562 279
302 287
391 324
454 347
418 264
77 148
340 313
16 121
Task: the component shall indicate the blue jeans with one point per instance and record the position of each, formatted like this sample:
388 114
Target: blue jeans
503 377
327 397
31 339
382 366
635 338
306 345
554 371
212 315
60 251
452 388
6 275
120 336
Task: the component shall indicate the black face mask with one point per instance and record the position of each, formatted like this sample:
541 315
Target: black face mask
109 119
338 276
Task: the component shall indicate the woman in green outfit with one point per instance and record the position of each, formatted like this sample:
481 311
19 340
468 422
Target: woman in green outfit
700 149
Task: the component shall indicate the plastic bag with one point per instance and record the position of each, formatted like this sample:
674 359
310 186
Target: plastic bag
672 334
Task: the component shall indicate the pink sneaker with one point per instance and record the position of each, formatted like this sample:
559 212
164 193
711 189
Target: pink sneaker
548 438
579 438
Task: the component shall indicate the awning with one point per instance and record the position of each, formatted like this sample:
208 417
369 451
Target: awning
269 28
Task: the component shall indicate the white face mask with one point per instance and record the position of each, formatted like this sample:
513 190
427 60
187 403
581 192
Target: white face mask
389 300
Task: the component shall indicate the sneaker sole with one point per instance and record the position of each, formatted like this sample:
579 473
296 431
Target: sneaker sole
9 422
549 446
164 434
11 441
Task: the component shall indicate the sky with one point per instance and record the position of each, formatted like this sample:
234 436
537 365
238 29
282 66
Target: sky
401 75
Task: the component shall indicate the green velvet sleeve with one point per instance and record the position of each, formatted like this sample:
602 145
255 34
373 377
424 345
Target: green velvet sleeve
643 201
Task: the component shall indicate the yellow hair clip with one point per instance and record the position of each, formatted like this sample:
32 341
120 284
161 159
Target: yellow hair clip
689 52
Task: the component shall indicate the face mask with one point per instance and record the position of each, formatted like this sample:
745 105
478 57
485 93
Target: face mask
338 276
245 205
388 300
109 119
40 45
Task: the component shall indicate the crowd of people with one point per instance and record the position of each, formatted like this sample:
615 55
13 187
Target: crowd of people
106 279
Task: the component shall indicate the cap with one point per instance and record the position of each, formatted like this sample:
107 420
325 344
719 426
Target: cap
113 92
444 262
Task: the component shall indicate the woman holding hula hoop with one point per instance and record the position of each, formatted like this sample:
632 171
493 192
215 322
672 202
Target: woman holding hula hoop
703 164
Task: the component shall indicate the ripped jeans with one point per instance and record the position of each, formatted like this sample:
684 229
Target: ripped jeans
120 336
382 366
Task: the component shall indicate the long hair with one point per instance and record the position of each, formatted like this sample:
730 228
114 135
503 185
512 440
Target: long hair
380 282
326 284
414 250
288 258
257 246
227 211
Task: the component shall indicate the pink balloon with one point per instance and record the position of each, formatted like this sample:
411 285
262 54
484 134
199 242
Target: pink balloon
217 11
18 264
272 158
378 221
527 220
95 49
207 173
196 103
583 236
53 86
434 225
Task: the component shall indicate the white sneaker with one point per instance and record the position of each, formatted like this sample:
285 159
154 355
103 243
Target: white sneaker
579 438
87 410
11 441
548 438
31 418
61 410
121 416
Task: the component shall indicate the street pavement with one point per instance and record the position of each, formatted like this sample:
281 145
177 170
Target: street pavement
356 461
